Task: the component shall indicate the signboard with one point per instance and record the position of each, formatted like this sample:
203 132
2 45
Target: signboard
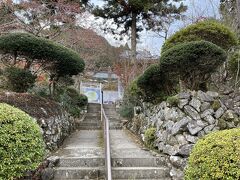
93 94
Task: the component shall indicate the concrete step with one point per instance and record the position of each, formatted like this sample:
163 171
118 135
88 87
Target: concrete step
140 172
94 114
114 119
139 162
89 127
78 172
116 127
81 162
94 106
83 123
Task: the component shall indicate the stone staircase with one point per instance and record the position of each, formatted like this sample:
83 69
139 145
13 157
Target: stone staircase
131 161
82 155
113 116
92 119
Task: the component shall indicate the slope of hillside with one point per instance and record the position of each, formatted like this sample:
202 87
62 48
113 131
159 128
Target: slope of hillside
94 49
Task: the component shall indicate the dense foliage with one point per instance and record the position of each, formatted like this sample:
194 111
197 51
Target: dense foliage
59 60
19 80
21 143
192 62
72 101
132 98
207 30
216 156
154 84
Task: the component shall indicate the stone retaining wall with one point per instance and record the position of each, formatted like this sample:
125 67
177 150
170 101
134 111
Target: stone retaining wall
178 128
56 124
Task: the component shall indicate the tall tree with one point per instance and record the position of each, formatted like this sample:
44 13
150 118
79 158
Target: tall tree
133 16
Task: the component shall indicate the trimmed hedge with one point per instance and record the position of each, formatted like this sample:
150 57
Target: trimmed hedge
154 84
216 156
192 62
208 30
63 61
21 143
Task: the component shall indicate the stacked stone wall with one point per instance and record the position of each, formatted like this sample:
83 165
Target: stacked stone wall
179 127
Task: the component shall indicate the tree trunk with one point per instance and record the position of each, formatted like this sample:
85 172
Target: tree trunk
134 37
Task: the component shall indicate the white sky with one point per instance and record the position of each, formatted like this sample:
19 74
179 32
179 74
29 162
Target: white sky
149 40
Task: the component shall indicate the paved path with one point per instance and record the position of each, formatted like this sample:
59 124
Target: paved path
82 144
131 160
123 145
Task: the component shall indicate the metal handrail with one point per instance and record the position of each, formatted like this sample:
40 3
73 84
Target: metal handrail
107 143
107 147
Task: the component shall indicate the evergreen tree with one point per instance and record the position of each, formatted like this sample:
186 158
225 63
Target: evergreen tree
136 15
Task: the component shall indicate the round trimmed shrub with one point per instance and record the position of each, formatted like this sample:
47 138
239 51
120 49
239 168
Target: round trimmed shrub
19 80
215 156
59 59
21 143
154 84
192 62
208 30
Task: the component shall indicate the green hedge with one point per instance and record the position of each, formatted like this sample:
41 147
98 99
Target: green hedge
154 84
192 62
63 61
21 143
208 30
19 80
216 156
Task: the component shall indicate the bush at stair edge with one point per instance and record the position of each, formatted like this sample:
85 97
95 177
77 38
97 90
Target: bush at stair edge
21 143
216 156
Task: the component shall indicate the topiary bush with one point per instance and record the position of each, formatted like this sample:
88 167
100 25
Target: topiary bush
150 137
215 156
19 80
192 63
21 143
208 30
58 59
154 84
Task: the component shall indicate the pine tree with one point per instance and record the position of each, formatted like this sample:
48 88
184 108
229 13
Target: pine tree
136 15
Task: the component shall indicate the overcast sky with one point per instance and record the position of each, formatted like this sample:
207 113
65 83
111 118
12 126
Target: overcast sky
152 42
